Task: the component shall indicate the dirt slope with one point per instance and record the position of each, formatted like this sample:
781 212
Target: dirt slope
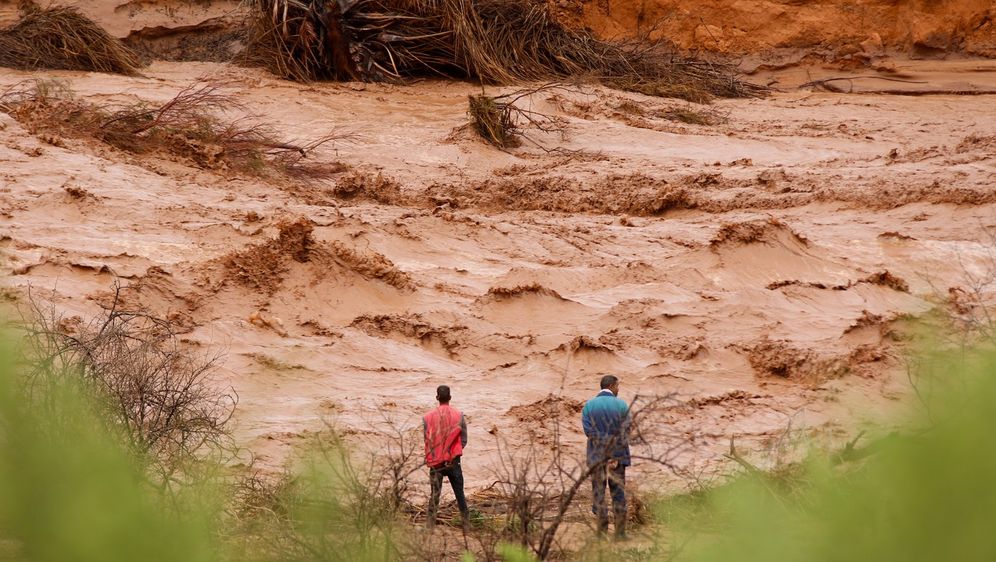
921 28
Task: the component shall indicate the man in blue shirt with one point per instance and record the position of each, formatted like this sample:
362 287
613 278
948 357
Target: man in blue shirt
606 421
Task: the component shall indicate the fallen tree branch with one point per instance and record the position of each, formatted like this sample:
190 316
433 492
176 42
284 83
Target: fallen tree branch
825 82
734 456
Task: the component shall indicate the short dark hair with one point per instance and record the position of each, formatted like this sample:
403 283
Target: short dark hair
443 393
607 381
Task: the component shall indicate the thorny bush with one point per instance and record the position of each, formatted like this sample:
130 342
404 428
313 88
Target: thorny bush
156 394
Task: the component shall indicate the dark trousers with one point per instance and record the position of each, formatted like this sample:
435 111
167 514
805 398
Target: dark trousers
615 477
454 473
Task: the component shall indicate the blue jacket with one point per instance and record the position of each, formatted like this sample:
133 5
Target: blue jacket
605 420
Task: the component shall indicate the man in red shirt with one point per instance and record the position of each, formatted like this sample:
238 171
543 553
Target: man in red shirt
445 431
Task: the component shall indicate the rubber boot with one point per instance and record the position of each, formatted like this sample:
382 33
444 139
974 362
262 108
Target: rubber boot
603 527
620 523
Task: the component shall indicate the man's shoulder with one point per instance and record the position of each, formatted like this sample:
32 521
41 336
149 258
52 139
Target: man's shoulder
601 401
607 402
439 410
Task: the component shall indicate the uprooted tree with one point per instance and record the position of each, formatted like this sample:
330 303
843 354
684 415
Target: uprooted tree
490 41
500 120
189 125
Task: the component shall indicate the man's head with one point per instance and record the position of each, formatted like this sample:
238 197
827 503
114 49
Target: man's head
610 382
443 394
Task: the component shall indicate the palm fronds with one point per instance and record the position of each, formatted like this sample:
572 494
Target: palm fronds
490 41
63 38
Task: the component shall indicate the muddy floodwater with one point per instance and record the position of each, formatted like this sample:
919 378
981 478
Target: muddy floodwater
763 265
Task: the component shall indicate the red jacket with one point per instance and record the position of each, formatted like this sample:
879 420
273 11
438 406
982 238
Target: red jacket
445 435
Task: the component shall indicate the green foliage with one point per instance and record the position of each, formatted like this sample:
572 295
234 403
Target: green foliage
515 553
69 490
928 495
331 512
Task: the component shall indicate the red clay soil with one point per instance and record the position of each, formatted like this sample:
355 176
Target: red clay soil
921 28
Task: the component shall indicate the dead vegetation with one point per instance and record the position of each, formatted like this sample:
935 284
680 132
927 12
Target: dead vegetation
968 308
501 122
332 506
693 82
156 393
493 121
490 41
64 39
187 127
688 114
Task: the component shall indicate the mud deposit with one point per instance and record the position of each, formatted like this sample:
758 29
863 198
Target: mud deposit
761 266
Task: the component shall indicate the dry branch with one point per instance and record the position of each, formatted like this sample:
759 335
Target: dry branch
156 393
736 457
188 125
501 122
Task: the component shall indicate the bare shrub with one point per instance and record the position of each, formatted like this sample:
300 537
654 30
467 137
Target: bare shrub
492 119
963 320
401 455
327 507
156 393
37 90
502 123
186 126
662 87
971 305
